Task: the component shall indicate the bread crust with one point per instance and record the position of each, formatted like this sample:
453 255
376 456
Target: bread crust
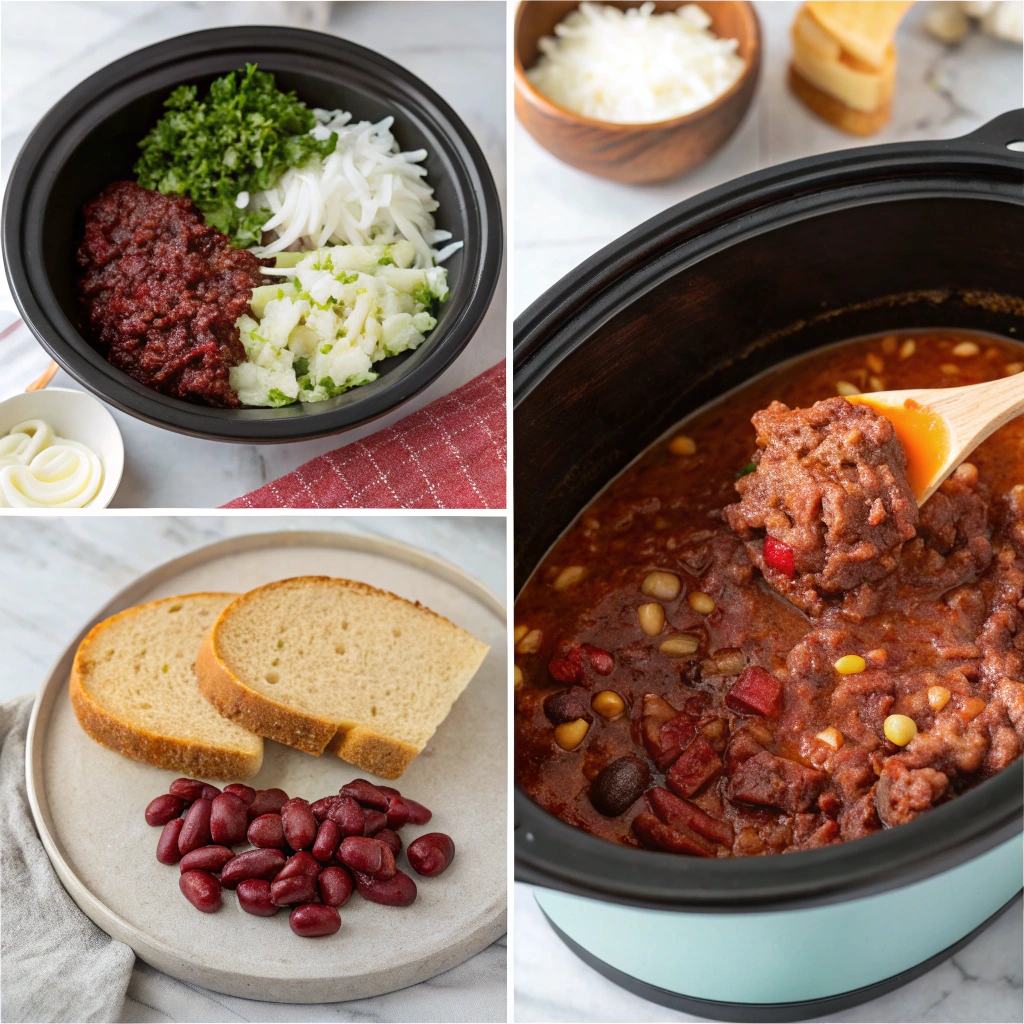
355 743
856 122
127 739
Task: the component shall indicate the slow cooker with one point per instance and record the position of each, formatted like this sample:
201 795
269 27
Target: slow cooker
691 303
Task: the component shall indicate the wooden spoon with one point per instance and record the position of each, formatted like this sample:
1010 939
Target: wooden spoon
940 427
44 378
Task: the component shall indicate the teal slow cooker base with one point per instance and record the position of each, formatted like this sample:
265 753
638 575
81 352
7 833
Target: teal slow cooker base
769 1013
779 964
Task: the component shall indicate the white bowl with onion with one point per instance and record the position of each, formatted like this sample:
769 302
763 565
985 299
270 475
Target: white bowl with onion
78 466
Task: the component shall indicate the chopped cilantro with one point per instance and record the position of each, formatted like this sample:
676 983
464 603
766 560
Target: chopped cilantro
239 138
748 468
300 364
278 397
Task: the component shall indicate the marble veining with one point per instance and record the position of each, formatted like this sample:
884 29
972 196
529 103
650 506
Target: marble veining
47 49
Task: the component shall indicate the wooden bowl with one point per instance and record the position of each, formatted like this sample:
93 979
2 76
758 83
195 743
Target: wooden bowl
634 153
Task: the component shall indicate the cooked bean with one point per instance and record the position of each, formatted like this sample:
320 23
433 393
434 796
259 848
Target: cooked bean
189 790
321 808
392 838
206 858
267 832
562 670
846 389
196 830
299 824
965 349
398 891
702 604
679 645
608 704
569 735
328 837
876 364
530 643
286 892
313 919
268 801
651 617
348 816
517 676
301 863
251 864
244 793
229 819
431 854
335 886
600 660
254 897
908 348
366 793
167 851
201 889
163 808
665 586
373 821
209 792
569 577
397 813
567 706
682 444
618 785
418 814
370 856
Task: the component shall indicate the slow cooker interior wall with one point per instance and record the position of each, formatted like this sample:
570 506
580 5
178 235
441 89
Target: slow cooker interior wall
108 153
711 326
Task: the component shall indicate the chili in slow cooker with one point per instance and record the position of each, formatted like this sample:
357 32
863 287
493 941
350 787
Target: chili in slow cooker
753 641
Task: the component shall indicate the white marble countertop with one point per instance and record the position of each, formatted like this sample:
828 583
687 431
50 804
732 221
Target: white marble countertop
46 48
562 216
58 571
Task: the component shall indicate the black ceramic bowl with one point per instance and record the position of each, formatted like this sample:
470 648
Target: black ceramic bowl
89 139
675 313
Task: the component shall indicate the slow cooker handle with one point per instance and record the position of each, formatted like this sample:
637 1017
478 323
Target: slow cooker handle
1003 133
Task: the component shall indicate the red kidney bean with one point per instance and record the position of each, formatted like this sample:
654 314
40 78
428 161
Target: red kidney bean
418 814
321 807
335 885
393 840
206 858
251 864
163 808
399 891
348 816
370 856
268 801
397 813
196 831
267 831
285 892
167 851
600 660
299 824
301 863
189 790
313 919
209 792
373 821
430 854
201 889
327 839
389 790
244 793
228 819
366 793
254 897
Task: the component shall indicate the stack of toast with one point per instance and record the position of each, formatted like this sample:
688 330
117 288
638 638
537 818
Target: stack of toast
844 61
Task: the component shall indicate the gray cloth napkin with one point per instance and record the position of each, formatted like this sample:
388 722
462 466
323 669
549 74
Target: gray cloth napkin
58 966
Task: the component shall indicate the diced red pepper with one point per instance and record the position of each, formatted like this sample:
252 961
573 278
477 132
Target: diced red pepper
779 556
697 763
600 660
564 671
756 692
681 814
656 835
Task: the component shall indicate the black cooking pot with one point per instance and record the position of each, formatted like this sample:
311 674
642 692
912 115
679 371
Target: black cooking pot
673 314
89 139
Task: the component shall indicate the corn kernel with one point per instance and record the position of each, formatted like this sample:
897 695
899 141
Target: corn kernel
681 444
899 729
850 664
608 704
938 697
831 737
569 577
702 604
569 735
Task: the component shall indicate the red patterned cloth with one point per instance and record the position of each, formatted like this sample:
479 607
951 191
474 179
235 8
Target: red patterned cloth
450 454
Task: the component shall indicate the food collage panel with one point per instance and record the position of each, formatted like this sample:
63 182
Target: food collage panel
512 511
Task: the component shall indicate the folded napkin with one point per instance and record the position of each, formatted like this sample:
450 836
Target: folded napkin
450 454
58 966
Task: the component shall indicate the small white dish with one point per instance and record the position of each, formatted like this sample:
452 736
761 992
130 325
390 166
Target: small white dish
78 417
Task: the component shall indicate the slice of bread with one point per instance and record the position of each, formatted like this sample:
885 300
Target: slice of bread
863 28
133 690
856 122
318 663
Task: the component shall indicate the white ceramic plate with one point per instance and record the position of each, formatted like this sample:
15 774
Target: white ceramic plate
88 802
78 417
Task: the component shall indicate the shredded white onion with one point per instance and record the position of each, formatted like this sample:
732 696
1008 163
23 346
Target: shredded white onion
635 66
367 192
